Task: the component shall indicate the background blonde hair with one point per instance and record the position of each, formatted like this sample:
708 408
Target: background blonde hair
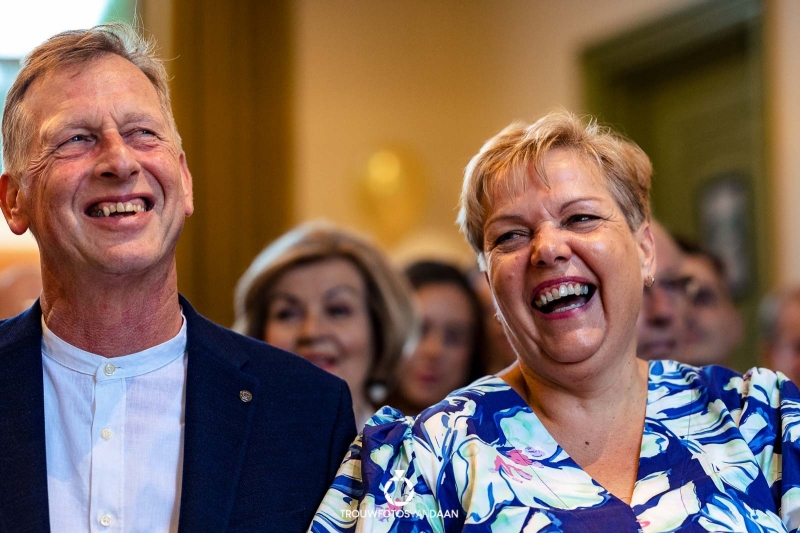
389 297
520 149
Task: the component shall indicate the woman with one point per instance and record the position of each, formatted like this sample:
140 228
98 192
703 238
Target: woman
578 435
448 355
331 297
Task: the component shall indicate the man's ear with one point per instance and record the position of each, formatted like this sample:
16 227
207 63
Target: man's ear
647 250
12 201
186 181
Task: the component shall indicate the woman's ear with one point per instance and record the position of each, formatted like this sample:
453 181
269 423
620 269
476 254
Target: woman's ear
647 249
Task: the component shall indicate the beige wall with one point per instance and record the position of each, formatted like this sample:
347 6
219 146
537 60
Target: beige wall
783 103
436 79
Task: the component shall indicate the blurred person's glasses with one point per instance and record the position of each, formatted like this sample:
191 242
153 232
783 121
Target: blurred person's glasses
676 287
701 295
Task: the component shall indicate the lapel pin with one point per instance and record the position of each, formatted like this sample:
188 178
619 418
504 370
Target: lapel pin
245 395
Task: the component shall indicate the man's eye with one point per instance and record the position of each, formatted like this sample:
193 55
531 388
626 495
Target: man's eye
77 138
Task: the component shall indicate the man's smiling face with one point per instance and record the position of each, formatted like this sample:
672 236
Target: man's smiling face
106 187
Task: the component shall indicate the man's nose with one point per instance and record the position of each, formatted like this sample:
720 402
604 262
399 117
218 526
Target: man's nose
659 306
116 158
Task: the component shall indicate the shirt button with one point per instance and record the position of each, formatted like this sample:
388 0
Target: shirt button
106 520
106 433
109 370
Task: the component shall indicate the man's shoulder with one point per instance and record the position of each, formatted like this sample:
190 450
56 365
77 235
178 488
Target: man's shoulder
20 329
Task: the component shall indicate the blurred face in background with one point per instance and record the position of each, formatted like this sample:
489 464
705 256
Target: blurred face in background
320 312
661 323
713 324
498 353
441 362
783 354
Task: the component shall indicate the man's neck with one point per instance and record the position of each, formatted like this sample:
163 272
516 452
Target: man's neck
112 315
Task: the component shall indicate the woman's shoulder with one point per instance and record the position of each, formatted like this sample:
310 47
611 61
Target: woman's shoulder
757 384
472 410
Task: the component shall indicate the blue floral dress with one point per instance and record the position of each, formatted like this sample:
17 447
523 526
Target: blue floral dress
720 452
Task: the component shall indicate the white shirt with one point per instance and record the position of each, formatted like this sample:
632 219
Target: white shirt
114 436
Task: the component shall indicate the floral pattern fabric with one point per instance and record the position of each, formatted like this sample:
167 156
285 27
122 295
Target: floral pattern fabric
720 452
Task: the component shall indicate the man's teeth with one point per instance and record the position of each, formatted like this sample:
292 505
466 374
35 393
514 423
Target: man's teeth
567 289
119 207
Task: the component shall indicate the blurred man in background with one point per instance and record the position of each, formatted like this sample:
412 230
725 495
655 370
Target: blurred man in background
662 318
714 326
779 315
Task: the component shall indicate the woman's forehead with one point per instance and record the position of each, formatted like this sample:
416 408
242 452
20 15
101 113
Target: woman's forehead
512 181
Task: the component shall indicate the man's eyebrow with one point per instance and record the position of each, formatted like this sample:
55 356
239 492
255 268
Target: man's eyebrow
139 117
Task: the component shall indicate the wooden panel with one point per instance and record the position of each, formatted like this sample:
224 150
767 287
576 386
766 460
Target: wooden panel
231 97
688 89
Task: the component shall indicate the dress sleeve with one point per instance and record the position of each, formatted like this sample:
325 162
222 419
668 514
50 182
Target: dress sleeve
381 485
790 453
770 422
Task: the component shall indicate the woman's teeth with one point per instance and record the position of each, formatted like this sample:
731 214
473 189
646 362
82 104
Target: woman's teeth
555 293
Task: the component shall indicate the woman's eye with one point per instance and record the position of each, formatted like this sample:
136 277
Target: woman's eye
581 219
340 310
456 337
284 314
506 237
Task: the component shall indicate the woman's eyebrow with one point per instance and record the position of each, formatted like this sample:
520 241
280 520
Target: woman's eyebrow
342 288
579 200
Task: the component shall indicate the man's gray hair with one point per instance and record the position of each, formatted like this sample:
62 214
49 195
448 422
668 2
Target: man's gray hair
73 48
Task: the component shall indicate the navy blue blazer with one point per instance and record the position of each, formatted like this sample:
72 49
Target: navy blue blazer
262 465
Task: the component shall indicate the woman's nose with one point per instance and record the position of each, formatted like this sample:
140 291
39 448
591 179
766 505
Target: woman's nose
549 247
430 345
313 326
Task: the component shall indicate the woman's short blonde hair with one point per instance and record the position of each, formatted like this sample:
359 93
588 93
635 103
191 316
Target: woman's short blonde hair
389 296
519 150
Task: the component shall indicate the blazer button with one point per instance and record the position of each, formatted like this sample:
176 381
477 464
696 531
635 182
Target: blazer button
245 395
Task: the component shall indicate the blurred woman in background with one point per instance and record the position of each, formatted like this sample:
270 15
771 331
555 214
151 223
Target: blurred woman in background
331 297
448 355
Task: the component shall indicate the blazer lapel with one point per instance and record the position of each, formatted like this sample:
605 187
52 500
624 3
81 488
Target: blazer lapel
23 461
217 426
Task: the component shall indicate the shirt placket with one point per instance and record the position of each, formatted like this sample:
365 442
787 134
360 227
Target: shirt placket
108 423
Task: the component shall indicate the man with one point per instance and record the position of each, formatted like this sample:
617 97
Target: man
714 327
779 315
123 409
661 322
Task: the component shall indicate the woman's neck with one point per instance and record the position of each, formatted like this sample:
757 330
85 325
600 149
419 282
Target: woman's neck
612 392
